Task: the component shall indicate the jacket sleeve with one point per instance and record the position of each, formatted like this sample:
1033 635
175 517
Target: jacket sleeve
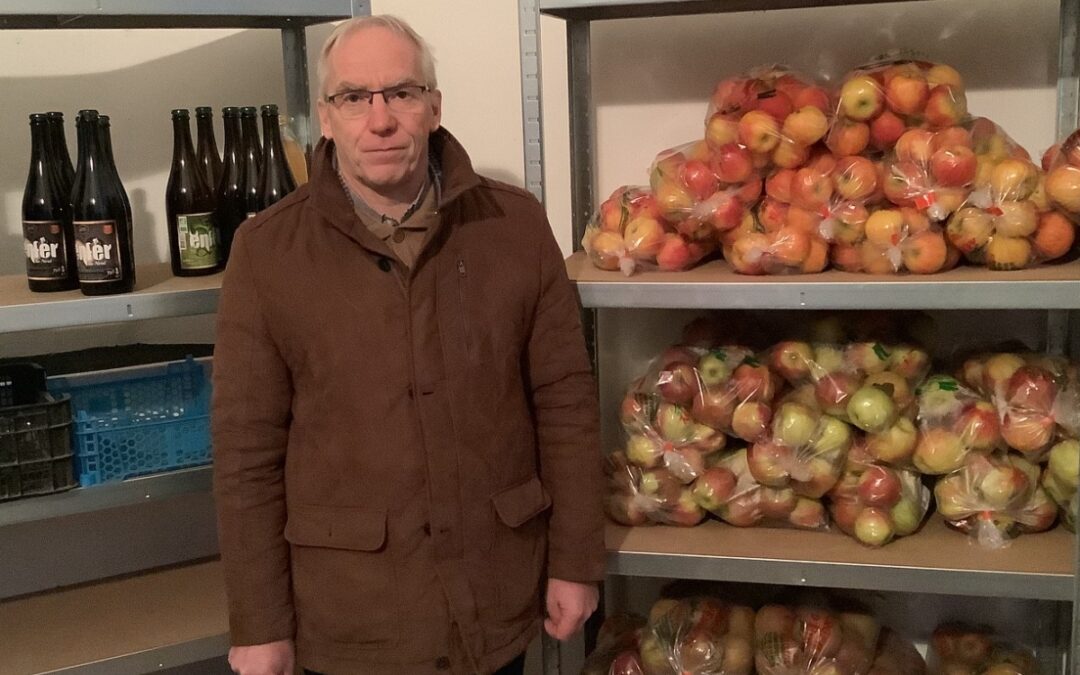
563 396
250 426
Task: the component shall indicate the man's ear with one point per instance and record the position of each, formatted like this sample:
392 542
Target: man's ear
436 109
324 119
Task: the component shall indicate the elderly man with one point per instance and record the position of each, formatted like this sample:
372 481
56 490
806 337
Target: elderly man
405 426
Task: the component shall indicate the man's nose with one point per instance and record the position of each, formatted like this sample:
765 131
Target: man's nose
380 119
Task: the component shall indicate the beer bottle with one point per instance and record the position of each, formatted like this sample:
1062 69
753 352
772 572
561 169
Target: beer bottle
46 210
251 160
59 148
189 208
206 151
102 226
231 208
276 179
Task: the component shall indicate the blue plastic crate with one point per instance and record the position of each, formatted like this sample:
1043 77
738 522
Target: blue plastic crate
140 420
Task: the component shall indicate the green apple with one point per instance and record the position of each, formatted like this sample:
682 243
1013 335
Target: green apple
872 410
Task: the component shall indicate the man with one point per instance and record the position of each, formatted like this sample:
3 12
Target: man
405 427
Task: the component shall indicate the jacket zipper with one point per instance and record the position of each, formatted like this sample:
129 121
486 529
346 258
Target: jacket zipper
463 309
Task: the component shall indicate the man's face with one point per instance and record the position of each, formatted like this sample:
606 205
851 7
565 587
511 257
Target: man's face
383 150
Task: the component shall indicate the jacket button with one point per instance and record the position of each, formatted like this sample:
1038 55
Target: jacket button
384 264
442 663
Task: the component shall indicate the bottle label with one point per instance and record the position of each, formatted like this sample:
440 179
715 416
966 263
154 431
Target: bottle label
46 256
97 249
197 239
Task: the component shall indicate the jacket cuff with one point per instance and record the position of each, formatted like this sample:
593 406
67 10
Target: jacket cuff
582 568
269 625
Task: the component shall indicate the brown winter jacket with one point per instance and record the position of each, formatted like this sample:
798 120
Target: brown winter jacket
401 456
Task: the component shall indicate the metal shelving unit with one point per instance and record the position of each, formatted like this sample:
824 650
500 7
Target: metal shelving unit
155 521
936 561
158 295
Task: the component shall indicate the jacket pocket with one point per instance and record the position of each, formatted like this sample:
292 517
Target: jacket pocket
519 504
520 549
341 528
344 578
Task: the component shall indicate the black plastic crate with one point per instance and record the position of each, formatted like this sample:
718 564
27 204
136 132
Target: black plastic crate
35 435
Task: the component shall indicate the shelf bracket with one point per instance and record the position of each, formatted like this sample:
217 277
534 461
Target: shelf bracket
532 110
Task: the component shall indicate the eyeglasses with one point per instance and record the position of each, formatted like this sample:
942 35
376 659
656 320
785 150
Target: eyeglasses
404 98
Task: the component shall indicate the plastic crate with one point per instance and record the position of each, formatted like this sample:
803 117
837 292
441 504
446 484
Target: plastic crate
35 435
139 420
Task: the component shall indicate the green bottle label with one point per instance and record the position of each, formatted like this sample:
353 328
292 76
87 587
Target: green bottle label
197 239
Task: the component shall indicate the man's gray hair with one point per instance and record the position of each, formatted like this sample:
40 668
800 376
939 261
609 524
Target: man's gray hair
389 22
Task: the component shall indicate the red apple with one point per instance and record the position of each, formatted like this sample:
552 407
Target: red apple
915 146
812 96
776 103
753 382
770 463
1031 389
778 185
834 391
732 163
714 407
847 137
714 488
811 190
678 383
750 421
979 427
674 255
778 503
1028 433
879 486
808 514
855 178
885 130
644 237
791 360
953 166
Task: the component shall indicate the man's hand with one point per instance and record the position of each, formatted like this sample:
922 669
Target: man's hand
568 605
272 658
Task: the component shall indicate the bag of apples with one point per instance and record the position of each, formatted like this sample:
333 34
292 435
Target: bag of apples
616 651
770 116
994 499
639 496
1062 166
805 450
729 491
875 503
808 641
961 649
867 384
786 237
675 415
954 422
1037 397
878 102
700 194
693 395
698 636
1009 221
932 171
893 241
629 233
1061 477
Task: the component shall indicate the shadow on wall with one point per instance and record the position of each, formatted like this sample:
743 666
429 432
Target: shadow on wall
244 68
996 44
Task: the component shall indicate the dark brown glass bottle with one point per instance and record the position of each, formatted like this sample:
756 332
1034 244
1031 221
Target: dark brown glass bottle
189 208
276 180
252 159
206 150
48 239
59 149
231 208
101 219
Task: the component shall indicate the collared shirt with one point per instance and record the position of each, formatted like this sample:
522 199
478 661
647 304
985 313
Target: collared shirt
404 237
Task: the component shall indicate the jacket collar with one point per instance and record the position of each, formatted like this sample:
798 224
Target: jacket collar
330 199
